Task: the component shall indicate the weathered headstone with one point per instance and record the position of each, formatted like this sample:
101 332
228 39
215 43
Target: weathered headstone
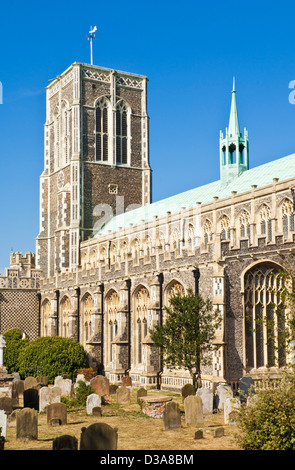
96 411
126 381
100 385
141 392
231 408
64 384
92 401
223 391
99 436
27 424
3 423
246 387
113 389
187 389
6 404
48 395
30 382
193 410
56 414
31 398
199 434
207 399
123 395
42 380
171 416
218 432
65 442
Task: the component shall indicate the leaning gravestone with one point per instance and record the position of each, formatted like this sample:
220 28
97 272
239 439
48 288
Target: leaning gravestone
193 411
3 423
56 414
187 389
171 416
27 424
231 408
99 436
31 398
123 395
92 400
246 387
65 442
207 399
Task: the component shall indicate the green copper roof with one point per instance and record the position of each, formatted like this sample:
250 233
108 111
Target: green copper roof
283 168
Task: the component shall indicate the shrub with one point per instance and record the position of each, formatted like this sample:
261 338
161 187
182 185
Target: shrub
81 393
88 373
268 421
52 356
14 345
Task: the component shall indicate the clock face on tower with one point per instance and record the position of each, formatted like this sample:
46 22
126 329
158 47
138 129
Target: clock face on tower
61 180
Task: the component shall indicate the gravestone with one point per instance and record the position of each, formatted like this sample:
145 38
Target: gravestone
18 386
100 385
64 384
171 416
113 389
193 408
219 432
207 399
141 392
42 380
123 395
48 395
56 414
6 404
65 442
96 411
199 434
223 391
187 389
99 436
3 423
31 398
126 381
30 382
231 408
92 401
246 387
27 424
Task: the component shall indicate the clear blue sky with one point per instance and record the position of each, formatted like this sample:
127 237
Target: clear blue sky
189 50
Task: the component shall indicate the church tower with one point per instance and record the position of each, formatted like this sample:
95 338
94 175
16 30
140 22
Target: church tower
234 148
96 158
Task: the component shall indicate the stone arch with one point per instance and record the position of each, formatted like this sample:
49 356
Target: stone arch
141 300
65 309
112 305
173 287
45 315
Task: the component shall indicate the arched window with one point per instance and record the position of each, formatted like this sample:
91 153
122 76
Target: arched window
112 308
101 131
287 218
121 134
65 132
207 229
65 310
141 317
87 306
46 312
225 228
265 222
244 221
264 317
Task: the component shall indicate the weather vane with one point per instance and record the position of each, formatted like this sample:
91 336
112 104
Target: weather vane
90 38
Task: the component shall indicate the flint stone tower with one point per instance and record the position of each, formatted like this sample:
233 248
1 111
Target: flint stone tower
96 159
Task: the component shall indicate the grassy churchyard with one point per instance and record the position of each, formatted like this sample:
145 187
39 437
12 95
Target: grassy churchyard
136 431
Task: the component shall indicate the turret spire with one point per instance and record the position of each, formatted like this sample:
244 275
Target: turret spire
233 127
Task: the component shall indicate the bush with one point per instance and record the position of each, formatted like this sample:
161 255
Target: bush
268 421
88 373
14 345
52 356
82 391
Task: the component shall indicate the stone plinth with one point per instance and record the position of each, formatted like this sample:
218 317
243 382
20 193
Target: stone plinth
154 405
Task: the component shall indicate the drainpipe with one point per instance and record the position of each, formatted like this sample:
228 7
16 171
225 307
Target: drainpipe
161 281
57 312
196 273
39 313
101 288
77 290
128 285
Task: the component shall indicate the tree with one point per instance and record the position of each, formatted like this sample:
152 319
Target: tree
186 338
14 345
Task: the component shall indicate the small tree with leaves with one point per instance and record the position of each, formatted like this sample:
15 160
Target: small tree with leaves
186 337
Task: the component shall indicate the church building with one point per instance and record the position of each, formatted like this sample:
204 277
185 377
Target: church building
108 259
